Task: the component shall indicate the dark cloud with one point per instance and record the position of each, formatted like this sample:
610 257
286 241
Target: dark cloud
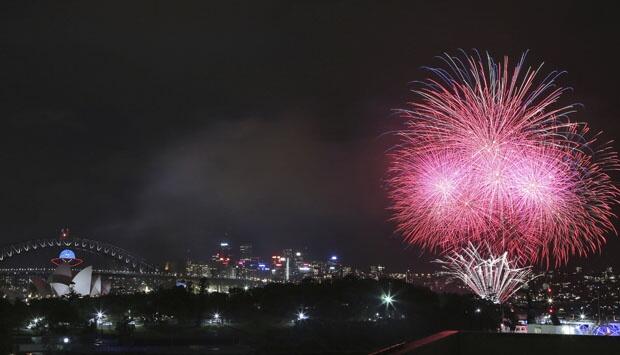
273 180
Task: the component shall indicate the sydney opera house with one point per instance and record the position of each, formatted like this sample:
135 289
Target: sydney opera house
64 281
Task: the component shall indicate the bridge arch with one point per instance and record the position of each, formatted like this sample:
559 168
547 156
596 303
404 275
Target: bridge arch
100 248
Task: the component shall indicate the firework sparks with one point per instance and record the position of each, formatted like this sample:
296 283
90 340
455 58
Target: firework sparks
489 156
493 278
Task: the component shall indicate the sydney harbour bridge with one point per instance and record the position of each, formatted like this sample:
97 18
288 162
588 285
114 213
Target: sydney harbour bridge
122 256
127 264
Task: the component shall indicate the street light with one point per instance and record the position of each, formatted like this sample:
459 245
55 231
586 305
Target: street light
99 316
301 316
387 299
65 340
582 316
217 318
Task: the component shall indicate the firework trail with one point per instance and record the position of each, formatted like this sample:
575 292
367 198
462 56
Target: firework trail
493 278
488 155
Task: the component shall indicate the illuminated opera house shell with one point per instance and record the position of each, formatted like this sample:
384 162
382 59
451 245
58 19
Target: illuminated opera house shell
63 281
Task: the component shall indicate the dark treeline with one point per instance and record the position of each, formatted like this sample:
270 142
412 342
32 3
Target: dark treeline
344 315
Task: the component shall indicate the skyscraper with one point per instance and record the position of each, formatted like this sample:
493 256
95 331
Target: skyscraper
245 251
223 255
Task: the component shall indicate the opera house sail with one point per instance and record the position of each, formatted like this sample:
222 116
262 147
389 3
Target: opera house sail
63 281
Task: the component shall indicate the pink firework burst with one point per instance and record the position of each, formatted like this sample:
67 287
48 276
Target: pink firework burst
488 155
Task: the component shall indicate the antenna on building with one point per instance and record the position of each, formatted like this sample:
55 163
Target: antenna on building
64 233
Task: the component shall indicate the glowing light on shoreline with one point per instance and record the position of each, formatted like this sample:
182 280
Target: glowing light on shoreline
387 299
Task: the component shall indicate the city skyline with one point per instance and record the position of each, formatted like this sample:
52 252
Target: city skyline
237 252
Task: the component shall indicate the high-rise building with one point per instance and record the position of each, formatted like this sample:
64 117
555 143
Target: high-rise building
225 247
288 253
278 265
245 251
223 256
333 265
287 263
299 257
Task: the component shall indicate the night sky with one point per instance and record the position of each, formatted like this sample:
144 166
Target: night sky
167 126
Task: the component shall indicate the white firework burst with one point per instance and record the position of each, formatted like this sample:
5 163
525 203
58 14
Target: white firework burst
493 278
